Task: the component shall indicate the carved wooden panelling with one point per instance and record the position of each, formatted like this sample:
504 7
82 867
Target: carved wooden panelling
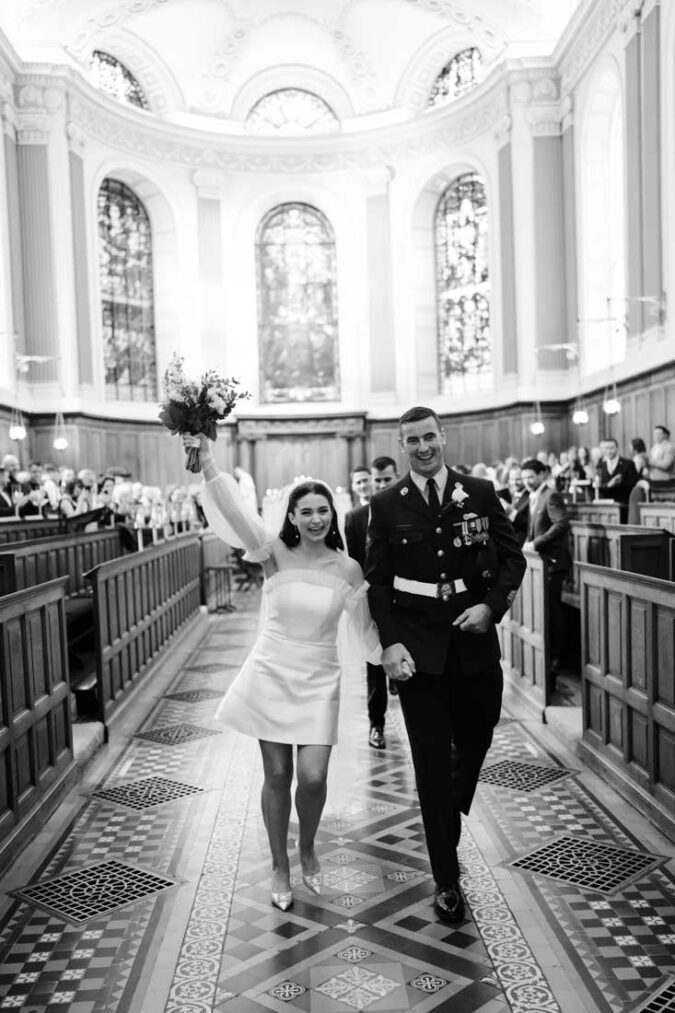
615 724
592 633
24 765
640 643
15 665
665 758
664 688
593 709
615 618
638 750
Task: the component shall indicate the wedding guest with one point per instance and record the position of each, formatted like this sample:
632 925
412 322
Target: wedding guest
288 692
359 480
7 508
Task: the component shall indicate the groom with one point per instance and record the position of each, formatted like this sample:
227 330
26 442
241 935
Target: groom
444 565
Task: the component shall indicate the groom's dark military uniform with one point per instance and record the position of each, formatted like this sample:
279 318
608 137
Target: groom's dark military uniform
425 567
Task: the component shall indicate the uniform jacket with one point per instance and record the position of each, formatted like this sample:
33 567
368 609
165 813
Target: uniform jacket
472 539
549 529
356 526
626 471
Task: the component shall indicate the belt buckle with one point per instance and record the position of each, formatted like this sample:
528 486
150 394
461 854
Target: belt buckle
445 589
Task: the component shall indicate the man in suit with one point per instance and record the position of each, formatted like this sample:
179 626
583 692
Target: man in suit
616 475
382 473
548 534
6 501
517 510
444 565
359 480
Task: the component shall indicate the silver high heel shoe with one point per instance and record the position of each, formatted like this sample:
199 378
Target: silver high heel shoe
313 883
282 899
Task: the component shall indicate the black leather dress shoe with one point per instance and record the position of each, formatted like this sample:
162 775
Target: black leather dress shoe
449 903
376 737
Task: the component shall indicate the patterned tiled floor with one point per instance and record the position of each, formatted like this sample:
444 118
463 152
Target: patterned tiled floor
148 891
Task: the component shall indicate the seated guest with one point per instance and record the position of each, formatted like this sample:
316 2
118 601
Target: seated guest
72 502
6 499
616 475
548 534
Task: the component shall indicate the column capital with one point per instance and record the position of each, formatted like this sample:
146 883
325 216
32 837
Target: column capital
208 183
502 130
77 138
545 120
377 180
36 109
566 112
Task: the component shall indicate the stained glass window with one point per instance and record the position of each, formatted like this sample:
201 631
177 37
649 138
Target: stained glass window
463 286
297 306
115 80
291 111
125 267
460 75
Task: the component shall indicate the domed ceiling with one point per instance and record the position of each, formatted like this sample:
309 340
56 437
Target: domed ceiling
216 57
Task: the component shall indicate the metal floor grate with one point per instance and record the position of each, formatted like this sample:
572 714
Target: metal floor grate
522 776
195 695
176 735
146 793
587 864
96 890
662 1001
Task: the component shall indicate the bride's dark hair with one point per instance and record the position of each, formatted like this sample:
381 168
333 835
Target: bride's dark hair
289 533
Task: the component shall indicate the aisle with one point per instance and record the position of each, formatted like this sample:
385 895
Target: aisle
148 891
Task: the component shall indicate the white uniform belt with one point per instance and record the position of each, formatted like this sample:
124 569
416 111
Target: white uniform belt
441 590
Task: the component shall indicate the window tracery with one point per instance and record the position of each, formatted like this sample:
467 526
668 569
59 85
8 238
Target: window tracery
462 73
297 306
127 301
463 286
291 111
113 78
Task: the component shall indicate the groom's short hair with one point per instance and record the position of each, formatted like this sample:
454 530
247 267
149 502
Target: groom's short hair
418 414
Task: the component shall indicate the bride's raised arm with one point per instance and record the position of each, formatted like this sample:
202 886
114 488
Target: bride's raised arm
227 512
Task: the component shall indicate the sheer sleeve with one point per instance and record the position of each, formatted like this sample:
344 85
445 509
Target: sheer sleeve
358 639
233 519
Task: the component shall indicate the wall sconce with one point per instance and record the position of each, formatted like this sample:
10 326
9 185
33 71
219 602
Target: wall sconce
17 428
611 404
60 439
537 428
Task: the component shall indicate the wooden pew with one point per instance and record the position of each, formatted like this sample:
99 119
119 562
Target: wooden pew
140 601
36 747
628 547
15 530
658 515
597 512
524 637
27 563
628 686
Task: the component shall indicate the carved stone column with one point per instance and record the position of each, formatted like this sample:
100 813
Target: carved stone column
502 135
210 254
78 209
15 318
380 282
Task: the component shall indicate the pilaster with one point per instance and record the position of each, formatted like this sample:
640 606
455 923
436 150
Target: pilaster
209 187
380 283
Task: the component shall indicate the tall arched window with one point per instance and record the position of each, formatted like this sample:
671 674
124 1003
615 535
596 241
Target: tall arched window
462 73
127 305
291 111
603 245
297 306
112 77
463 286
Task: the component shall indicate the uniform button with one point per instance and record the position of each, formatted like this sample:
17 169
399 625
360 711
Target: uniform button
444 576
440 552
439 531
446 597
405 541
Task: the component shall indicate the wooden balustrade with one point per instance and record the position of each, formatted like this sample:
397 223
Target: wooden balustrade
628 686
27 564
596 512
14 530
658 515
140 601
525 637
36 748
628 547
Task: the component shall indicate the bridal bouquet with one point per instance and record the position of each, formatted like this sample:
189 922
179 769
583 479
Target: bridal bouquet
195 407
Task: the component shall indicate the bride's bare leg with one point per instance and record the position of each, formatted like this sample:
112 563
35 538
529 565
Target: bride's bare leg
310 798
275 798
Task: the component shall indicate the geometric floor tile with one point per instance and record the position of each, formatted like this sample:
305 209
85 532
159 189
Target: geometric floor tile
588 864
175 735
194 695
521 776
147 792
93 891
661 1001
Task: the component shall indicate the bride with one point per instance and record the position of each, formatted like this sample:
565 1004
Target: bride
288 691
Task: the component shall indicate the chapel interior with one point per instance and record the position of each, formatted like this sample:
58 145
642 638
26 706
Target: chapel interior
350 207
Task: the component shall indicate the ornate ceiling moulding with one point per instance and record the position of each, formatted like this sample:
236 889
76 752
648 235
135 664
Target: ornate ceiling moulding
440 129
584 47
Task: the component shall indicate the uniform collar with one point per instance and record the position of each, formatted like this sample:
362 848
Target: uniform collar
440 478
